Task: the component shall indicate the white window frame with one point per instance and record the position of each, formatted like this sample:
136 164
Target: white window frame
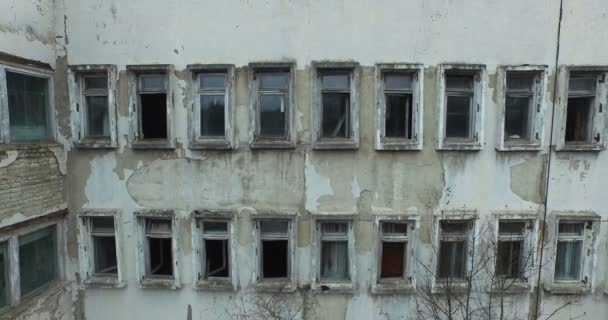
318 69
86 248
590 248
476 140
48 75
198 262
11 239
322 286
597 127
417 73
141 249
197 141
275 285
134 71
256 141
536 112
407 284
76 75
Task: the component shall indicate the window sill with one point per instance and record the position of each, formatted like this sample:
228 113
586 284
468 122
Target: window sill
278 286
272 144
344 144
513 288
454 287
573 288
210 145
152 144
215 285
334 288
581 147
398 145
522 146
43 293
29 144
394 287
95 144
159 283
104 282
459 145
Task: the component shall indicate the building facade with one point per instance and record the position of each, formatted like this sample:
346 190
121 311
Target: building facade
311 160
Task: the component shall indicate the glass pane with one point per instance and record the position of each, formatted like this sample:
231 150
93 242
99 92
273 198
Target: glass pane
511 228
153 116
95 83
272 115
105 255
217 258
578 119
102 224
27 107
398 116
517 111
212 115
571 229
212 81
452 255
98 120
458 117
160 256
274 259
215 227
3 276
582 85
270 80
394 228
37 259
393 259
520 82
397 82
334 261
335 81
568 260
158 226
274 226
152 81
508 258
335 115
334 227
459 83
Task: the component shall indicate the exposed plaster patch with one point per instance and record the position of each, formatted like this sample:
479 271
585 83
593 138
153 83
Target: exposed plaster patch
316 185
527 179
8 158
575 165
355 188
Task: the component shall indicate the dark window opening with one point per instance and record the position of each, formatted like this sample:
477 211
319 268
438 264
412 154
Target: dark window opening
153 110
517 113
398 118
212 115
335 115
105 254
508 260
458 116
272 115
98 120
274 258
37 259
393 258
217 258
3 276
578 119
452 259
27 106
161 256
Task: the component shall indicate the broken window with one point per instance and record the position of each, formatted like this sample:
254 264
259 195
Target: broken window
28 106
453 249
273 106
335 260
159 249
103 240
335 104
152 95
393 249
37 259
510 259
569 255
398 97
95 98
216 248
580 108
3 275
519 108
274 247
212 95
459 105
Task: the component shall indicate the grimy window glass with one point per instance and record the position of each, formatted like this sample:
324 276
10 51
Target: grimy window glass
95 98
334 252
152 93
3 275
335 104
273 102
519 101
453 250
37 259
398 98
569 256
393 239
28 107
459 92
216 244
510 249
103 239
579 111
159 250
274 245
212 95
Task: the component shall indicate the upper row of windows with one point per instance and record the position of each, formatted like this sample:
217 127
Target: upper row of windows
399 110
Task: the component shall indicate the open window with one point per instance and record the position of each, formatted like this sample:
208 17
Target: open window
93 98
399 107
151 106
212 116
276 254
521 90
336 113
514 262
272 103
460 107
27 104
334 255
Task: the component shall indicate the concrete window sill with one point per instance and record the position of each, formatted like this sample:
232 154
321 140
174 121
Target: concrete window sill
393 288
95 144
454 287
102 282
275 286
334 288
151 283
215 285
567 289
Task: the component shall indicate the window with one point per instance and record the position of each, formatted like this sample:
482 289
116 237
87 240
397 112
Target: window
272 104
98 249
335 254
583 126
336 117
3 275
27 100
216 244
276 254
453 246
460 107
393 250
152 105
569 256
214 256
92 94
513 256
157 249
212 117
399 107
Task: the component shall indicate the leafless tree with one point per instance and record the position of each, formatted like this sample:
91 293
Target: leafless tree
272 306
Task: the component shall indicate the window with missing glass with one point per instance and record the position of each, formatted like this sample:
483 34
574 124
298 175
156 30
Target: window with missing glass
393 250
103 239
99 241
158 247
274 243
334 251
511 253
453 246
37 259
216 258
582 90
4 288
